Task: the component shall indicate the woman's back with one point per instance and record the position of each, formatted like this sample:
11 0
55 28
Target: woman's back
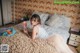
42 33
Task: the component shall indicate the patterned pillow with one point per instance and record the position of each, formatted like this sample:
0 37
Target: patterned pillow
43 16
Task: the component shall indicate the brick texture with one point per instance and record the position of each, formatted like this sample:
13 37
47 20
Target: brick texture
22 7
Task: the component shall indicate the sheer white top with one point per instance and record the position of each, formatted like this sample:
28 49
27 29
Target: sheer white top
42 33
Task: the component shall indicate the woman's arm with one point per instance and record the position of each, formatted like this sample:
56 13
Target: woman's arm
34 33
25 31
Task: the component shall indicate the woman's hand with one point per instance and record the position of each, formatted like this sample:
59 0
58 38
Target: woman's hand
26 31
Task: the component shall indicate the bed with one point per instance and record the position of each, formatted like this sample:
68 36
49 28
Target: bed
21 43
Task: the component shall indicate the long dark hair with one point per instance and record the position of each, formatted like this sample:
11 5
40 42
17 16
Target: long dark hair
36 17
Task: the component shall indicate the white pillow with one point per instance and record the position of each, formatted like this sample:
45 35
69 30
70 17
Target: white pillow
53 20
66 21
43 16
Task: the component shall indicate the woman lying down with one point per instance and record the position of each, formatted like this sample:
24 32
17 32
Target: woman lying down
39 32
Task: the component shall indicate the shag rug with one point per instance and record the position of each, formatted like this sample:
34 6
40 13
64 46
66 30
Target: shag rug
21 43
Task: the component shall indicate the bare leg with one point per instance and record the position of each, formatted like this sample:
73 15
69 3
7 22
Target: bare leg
59 44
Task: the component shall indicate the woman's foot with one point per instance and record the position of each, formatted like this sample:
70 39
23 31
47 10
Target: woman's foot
25 32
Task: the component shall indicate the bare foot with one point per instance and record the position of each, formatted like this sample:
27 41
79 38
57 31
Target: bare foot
25 31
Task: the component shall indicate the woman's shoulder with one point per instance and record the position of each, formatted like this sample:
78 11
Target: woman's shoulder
36 27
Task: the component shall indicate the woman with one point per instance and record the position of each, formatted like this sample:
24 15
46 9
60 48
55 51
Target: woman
39 32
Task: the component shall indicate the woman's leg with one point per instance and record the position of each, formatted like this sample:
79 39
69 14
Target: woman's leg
59 44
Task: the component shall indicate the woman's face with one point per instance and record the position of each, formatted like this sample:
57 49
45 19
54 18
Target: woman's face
34 22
